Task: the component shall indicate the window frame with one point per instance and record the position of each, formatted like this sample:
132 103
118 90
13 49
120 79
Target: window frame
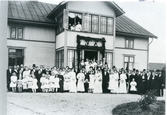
128 62
129 43
111 26
16 32
11 32
98 25
16 56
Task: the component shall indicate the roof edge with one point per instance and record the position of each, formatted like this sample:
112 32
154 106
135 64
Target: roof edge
32 22
134 35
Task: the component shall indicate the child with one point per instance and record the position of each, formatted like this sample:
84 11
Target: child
34 84
13 82
91 83
29 81
19 82
46 84
51 82
42 81
56 82
133 85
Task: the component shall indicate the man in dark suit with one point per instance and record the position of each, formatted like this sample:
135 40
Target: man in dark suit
9 74
161 81
148 81
105 80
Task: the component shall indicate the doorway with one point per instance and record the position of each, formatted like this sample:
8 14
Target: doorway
90 55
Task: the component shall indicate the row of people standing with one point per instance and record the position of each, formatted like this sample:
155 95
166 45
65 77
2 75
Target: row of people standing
95 80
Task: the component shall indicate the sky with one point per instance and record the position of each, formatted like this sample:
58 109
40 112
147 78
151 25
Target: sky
150 15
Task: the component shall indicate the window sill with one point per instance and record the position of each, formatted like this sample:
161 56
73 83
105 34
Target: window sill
89 32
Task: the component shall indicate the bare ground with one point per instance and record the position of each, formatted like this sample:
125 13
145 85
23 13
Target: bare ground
66 103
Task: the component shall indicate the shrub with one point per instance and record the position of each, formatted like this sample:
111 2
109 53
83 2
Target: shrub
147 99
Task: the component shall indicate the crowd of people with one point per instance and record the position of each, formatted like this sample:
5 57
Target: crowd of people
89 77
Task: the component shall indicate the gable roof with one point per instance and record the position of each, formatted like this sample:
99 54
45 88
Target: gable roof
155 66
37 12
125 25
30 11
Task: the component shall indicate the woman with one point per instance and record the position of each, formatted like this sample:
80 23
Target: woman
116 78
111 86
122 85
73 87
66 81
98 82
142 84
80 85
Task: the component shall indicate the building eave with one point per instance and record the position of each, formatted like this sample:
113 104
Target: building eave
21 21
134 35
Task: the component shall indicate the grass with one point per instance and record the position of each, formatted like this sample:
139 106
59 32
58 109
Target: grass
133 108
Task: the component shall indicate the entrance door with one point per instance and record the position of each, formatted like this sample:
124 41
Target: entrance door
90 55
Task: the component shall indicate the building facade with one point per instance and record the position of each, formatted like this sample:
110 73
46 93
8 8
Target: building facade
62 35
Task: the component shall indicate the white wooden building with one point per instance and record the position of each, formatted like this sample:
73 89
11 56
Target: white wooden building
46 34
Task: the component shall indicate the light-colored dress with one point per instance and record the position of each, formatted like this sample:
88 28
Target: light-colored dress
13 82
42 81
98 83
24 83
87 66
56 82
34 84
80 85
91 81
29 82
51 82
112 84
133 85
116 77
66 81
26 74
19 83
73 87
122 85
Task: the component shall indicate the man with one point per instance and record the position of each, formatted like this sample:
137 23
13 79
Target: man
161 84
86 84
9 74
148 81
105 80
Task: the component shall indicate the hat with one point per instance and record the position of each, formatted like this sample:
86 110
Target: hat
34 65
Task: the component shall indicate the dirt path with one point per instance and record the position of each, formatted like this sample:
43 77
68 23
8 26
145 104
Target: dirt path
65 103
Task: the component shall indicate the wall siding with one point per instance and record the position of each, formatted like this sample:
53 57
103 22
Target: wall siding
95 7
140 58
36 33
72 38
139 43
36 52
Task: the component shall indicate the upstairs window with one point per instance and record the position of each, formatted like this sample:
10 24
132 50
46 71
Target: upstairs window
16 32
95 24
110 25
75 21
60 24
129 43
103 23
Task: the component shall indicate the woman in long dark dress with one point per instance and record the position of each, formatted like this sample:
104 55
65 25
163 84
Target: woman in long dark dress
142 84
154 83
61 83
